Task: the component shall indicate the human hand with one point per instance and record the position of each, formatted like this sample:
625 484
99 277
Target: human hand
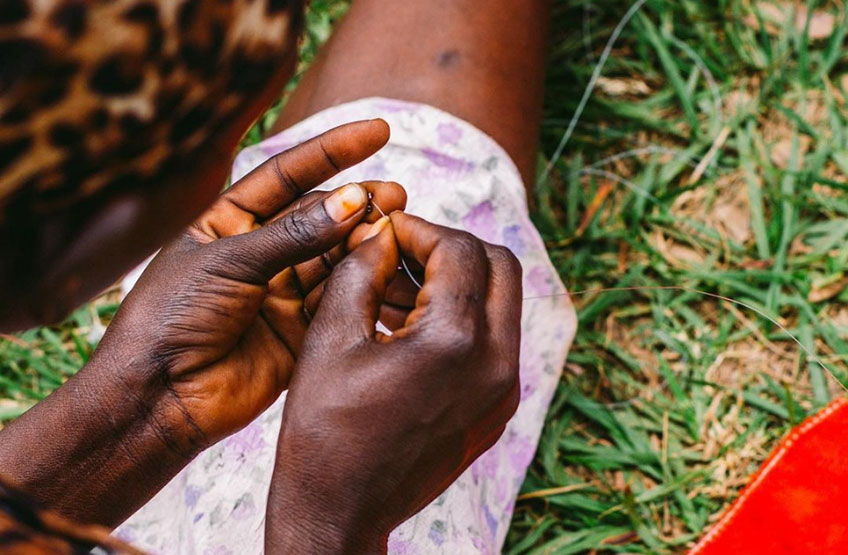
204 343
219 313
375 427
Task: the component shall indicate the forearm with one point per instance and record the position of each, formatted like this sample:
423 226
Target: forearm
101 445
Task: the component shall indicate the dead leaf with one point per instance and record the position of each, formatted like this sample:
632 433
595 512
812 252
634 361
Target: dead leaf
781 152
819 294
838 316
728 212
575 369
621 539
623 251
775 16
799 247
676 254
752 264
603 192
685 254
622 86
822 24
738 102
733 214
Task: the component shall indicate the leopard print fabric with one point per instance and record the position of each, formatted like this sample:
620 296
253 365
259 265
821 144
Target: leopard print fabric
105 95
100 95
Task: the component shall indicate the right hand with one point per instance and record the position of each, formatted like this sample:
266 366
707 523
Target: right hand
375 426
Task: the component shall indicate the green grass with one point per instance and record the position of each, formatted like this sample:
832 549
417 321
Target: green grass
669 399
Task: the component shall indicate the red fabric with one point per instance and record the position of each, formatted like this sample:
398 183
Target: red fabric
797 502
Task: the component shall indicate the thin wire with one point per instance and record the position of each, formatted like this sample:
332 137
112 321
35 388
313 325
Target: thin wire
409 272
403 263
596 74
812 356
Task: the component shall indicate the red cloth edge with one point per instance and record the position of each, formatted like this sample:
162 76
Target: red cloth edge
760 478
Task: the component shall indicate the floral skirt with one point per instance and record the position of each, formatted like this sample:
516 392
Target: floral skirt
456 176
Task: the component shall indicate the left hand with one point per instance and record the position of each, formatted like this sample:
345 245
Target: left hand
220 312
204 343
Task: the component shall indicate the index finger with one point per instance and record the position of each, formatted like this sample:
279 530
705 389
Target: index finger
280 180
456 273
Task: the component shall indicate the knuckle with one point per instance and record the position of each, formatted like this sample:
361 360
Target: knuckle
467 247
353 268
463 341
352 274
284 177
504 258
331 286
297 229
505 384
510 376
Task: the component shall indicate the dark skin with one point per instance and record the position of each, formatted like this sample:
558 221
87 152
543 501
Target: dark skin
486 66
177 372
429 399
120 429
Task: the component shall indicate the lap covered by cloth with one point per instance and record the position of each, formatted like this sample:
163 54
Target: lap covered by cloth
456 176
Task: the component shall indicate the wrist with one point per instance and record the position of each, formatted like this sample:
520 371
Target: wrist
138 405
99 446
301 518
293 533
137 399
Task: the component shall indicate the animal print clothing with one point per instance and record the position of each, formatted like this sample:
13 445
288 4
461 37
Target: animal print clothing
99 96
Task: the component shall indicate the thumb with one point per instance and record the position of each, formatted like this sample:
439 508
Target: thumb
301 234
351 301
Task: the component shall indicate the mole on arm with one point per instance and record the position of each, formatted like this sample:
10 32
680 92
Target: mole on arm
448 59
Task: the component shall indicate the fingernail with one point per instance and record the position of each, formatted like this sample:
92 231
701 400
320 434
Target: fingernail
345 202
378 226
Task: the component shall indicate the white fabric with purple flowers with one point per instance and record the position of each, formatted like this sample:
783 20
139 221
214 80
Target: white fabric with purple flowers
456 176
